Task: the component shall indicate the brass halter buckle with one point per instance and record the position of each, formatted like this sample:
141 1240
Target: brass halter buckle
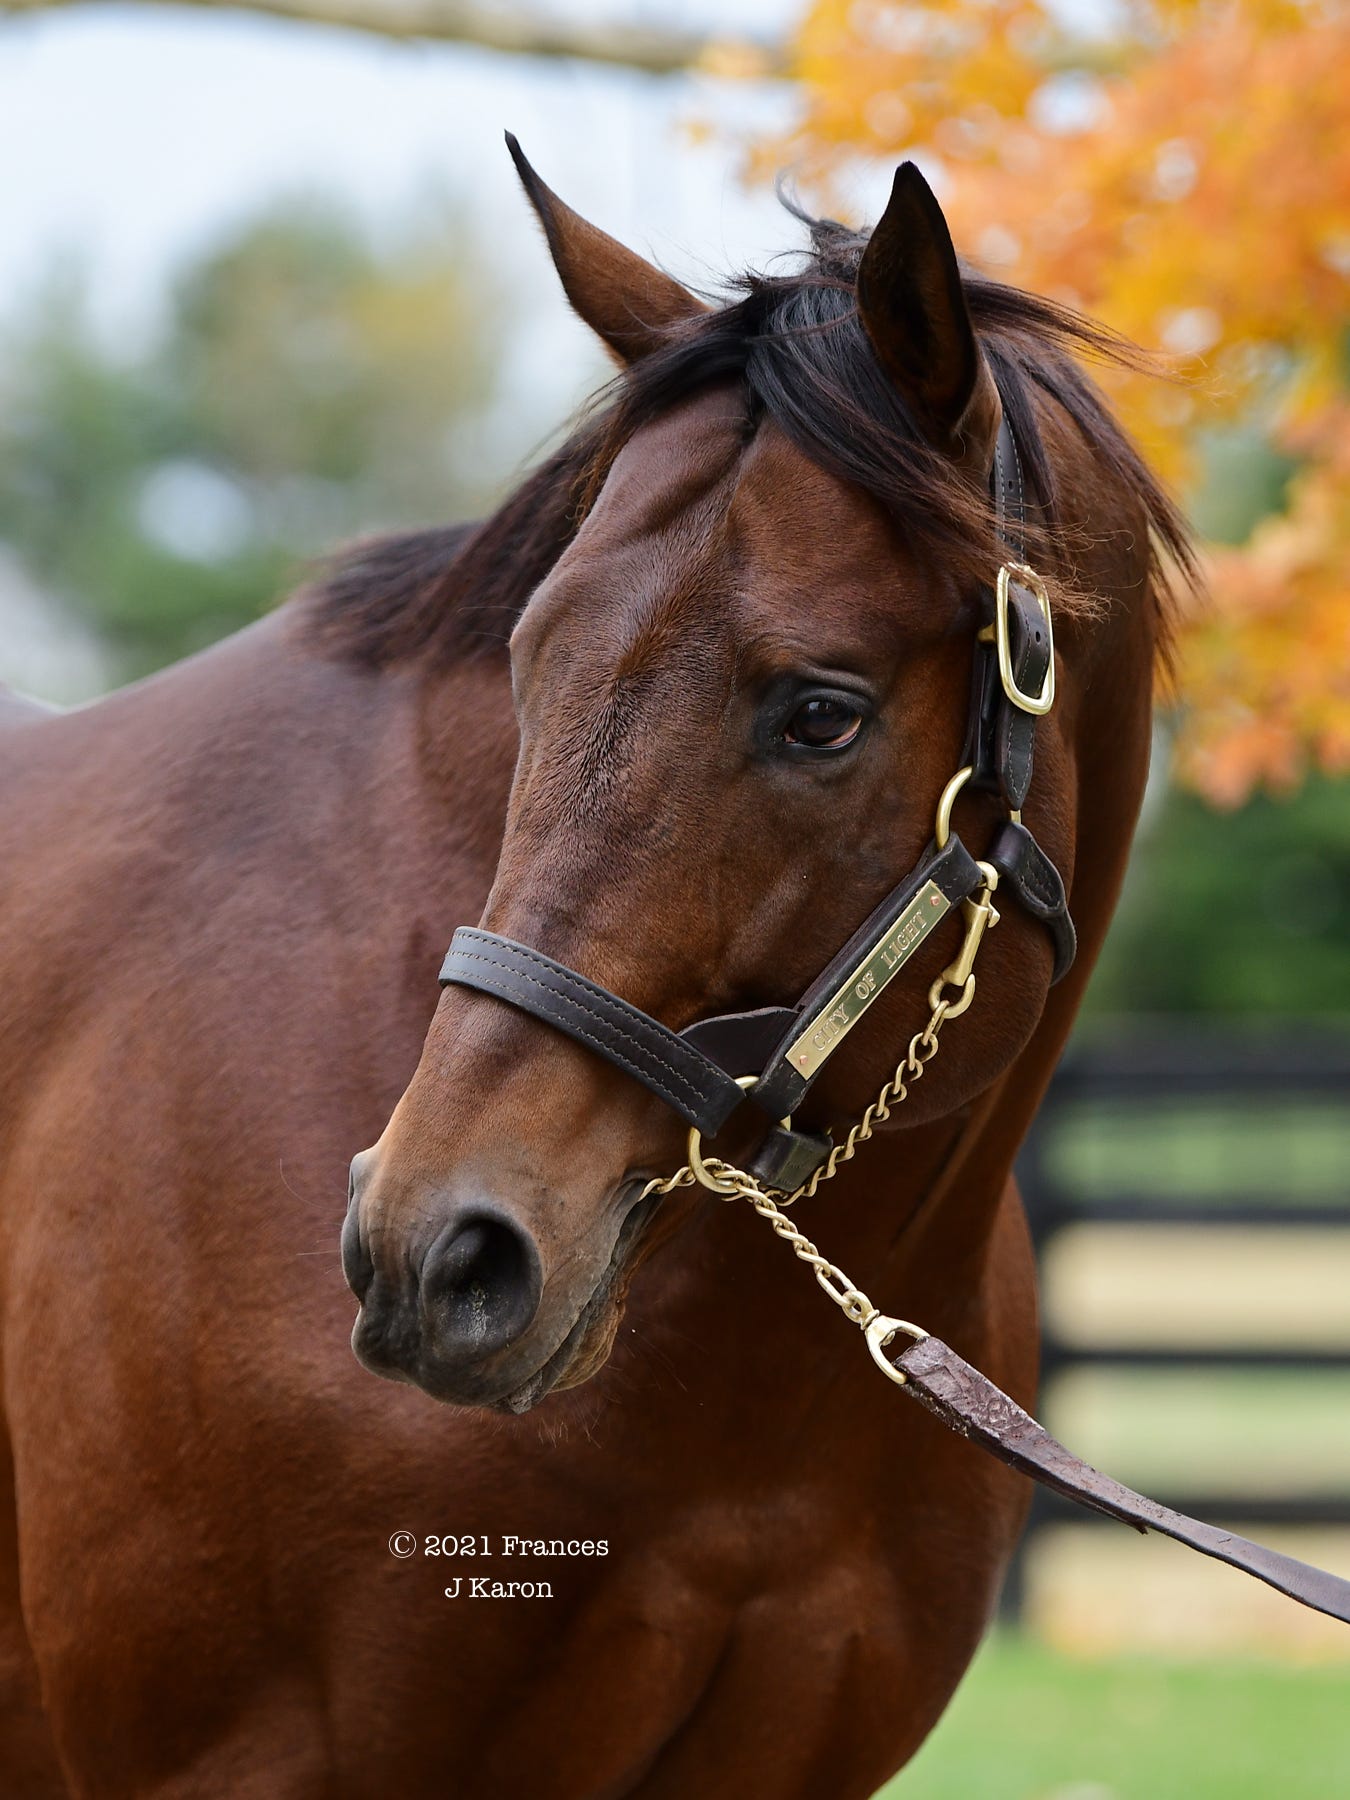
1036 704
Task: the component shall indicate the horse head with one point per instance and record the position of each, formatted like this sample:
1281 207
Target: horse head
741 687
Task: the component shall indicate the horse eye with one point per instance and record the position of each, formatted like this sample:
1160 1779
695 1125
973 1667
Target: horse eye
825 722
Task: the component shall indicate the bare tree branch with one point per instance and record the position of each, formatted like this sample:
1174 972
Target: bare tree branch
516 30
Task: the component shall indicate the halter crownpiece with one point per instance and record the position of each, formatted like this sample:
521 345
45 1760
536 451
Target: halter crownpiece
696 1071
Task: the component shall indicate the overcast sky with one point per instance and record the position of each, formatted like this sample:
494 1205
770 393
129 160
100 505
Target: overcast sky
135 136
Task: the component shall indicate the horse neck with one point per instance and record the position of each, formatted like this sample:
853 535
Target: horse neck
266 756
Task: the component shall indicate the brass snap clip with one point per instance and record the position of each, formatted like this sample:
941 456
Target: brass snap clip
879 1332
980 915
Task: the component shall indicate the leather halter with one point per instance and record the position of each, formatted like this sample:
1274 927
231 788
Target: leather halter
696 1071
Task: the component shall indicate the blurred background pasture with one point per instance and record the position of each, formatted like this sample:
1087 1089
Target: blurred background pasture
266 283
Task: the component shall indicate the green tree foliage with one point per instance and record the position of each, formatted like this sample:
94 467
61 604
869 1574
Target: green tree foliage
305 386
1245 911
1241 912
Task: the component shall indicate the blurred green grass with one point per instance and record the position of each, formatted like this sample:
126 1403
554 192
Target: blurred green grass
1031 1724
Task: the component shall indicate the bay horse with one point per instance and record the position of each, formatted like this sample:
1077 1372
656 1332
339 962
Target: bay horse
678 713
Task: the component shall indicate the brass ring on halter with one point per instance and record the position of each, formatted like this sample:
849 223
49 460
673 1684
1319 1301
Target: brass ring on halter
942 830
700 1170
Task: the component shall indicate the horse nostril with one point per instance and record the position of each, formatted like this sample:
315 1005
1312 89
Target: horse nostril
356 1263
481 1281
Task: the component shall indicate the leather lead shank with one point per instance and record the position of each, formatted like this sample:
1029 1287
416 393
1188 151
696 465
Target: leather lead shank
969 1404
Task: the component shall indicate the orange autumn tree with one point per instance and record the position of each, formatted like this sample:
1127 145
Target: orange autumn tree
1182 171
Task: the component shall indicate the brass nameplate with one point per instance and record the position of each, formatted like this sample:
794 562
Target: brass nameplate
827 1028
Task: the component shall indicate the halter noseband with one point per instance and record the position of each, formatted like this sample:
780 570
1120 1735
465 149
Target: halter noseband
701 1071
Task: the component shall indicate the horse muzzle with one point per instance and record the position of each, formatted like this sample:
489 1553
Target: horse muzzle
448 1311
463 1306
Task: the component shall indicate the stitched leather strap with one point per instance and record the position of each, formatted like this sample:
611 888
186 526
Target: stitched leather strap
969 1403
1029 872
674 1069
1010 493
1001 737
1015 730
987 699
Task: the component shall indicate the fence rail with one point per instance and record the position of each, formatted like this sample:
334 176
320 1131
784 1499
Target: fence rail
1270 1156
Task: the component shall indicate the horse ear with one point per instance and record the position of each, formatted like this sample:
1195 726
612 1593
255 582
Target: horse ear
617 293
913 308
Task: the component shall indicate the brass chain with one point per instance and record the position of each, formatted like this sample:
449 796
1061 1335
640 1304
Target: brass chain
732 1183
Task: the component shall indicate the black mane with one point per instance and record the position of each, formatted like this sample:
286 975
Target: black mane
796 343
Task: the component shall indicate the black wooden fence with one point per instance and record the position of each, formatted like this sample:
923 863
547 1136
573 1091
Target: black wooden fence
1189 1129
